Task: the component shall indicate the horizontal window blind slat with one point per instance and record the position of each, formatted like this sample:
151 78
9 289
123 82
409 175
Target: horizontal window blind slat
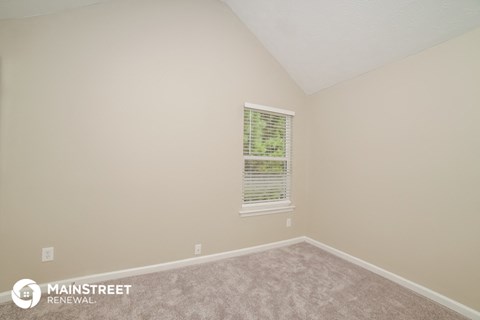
269 181
265 158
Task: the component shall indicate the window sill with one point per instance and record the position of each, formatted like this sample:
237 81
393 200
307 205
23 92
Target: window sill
249 211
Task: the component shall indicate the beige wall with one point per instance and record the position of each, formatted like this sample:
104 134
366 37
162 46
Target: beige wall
395 168
121 137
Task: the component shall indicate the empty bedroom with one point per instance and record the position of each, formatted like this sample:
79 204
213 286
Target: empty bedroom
240 159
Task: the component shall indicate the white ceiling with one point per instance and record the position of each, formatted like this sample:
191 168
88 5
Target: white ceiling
14 9
323 42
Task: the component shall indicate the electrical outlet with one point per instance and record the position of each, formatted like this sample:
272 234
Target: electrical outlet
289 222
198 249
47 254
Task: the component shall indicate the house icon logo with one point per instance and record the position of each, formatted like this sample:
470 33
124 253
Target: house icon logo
26 299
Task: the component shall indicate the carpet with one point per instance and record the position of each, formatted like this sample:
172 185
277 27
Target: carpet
299 281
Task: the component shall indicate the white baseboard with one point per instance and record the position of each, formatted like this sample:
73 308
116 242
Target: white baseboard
95 278
430 294
100 277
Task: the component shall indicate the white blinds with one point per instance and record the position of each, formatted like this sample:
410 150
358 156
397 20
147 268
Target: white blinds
267 156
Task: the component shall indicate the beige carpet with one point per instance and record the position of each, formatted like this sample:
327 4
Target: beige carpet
295 282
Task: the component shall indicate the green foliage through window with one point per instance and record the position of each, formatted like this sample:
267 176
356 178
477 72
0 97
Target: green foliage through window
264 134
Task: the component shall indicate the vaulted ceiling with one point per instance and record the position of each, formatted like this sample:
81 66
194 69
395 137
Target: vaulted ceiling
323 42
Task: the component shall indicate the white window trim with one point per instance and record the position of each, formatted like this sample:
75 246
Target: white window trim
257 209
268 109
283 206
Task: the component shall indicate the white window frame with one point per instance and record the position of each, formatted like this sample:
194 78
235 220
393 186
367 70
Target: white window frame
282 206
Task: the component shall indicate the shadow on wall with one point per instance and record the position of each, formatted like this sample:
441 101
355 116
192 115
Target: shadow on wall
1 135
1 146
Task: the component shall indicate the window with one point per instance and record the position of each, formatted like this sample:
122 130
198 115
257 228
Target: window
267 154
